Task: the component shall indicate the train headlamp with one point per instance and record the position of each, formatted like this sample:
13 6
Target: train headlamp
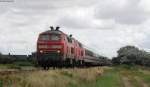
41 51
58 51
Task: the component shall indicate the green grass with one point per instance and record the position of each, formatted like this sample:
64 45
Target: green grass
1 83
50 78
145 78
110 78
131 72
9 66
135 71
23 63
67 74
4 66
85 77
134 82
17 65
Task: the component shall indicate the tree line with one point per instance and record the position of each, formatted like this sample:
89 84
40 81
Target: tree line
17 60
132 55
5 60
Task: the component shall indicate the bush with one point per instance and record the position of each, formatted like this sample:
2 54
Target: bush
5 60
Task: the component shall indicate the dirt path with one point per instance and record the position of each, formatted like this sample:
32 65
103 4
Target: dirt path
126 82
143 84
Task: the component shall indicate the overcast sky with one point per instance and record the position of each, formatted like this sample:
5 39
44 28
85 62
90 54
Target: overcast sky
102 25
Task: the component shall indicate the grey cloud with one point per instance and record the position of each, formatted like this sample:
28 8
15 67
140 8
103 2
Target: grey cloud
82 18
146 42
25 7
52 4
22 21
75 23
128 13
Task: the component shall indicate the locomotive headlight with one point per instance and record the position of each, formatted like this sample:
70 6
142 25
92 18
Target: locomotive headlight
58 51
41 51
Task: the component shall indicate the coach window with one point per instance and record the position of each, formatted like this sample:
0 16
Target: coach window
68 50
72 50
81 53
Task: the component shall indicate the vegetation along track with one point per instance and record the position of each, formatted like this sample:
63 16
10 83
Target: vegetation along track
49 78
77 77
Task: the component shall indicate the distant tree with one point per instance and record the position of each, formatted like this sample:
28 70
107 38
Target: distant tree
132 55
0 55
115 60
128 54
4 59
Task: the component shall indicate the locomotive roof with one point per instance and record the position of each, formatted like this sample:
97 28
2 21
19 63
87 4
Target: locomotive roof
59 32
52 32
55 32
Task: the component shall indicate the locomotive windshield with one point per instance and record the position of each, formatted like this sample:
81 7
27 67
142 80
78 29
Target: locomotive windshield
55 37
44 37
52 37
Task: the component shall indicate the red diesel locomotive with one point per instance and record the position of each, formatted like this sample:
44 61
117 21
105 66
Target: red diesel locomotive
55 48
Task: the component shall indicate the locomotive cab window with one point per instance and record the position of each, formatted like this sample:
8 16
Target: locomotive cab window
52 37
55 37
44 37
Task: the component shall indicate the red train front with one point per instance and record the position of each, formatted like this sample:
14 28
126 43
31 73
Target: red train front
54 48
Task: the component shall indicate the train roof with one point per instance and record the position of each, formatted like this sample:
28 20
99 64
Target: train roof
57 31
52 32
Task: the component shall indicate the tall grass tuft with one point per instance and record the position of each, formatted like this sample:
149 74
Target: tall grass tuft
50 78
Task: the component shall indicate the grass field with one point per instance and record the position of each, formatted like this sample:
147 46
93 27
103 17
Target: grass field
51 78
0 83
108 79
119 76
